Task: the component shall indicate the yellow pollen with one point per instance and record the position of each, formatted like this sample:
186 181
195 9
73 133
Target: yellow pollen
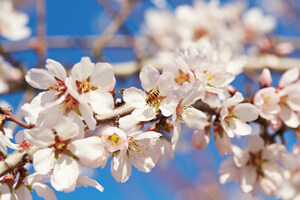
85 86
115 139
182 77
209 76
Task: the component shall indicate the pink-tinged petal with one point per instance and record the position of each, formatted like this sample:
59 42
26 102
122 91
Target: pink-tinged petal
90 151
246 112
168 105
4 140
147 135
121 167
237 98
239 127
6 193
200 140
103 76
192 92
43 161
40 136
228 171
248 179
194 119
240 157
176 134
294 102
65 174
88 115
227 129
224 112
39 78
222 79
274 152
272 179
56 69
67 128
255 143
82 70
23 193
168 151
144 113
165 84
134 97
265 78
151 150
103 102
288 77
289 117
129 124
44 191
149 77
86 182
223 144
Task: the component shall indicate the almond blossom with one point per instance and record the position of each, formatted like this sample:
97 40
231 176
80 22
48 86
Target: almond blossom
60 155
267 102
290 189
157 96
254 167
185 113
289 97
12 22
234 115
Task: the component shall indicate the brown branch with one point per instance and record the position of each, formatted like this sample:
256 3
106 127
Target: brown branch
12 118
114 26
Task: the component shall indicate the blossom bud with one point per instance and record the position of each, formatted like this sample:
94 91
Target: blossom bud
265 79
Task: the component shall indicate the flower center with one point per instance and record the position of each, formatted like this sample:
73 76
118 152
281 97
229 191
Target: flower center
85 86
257 160
114 139
59 145
69 104
153 98
59 86
199 33
182 77
209 76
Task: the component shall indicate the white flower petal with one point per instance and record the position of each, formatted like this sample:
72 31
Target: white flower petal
67 128
86 182
194 119
23 193
288 77
56 69
246 112
289 117
65 174
103 76
39 78
144 113
149 77
90 152
255 143
248 179
199 140
103 102
43 161
40 136
134 97
88 115
168 105
121 167
82 70
165 84
44 191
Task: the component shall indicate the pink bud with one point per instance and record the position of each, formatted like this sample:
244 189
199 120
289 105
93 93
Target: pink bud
265 79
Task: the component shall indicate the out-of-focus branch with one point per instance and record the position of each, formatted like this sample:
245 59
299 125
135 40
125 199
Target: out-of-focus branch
114 26
66 42
41 43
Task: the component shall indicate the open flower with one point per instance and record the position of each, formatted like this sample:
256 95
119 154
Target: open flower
157 96
256 166
234 115
61 155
